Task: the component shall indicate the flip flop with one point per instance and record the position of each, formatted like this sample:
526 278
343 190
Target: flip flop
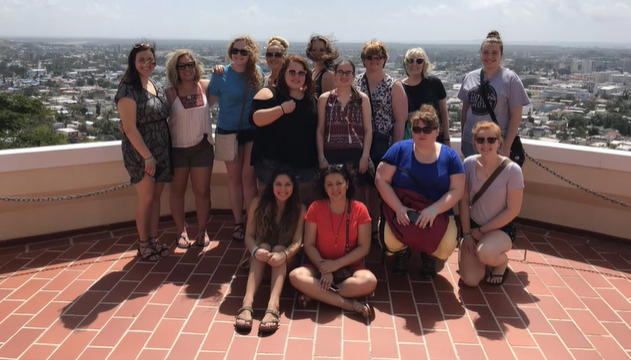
496 276
181 246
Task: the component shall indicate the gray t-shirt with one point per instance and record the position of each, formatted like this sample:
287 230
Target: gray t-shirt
493 201
505 92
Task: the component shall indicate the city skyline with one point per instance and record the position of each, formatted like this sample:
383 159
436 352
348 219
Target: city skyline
554 22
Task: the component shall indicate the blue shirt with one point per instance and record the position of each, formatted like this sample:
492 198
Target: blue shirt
434 177
229 88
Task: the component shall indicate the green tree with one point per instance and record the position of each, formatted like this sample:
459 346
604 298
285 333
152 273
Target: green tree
91 82
26 122
80 82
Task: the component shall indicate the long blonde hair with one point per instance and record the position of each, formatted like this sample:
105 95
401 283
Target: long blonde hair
253 75
172 73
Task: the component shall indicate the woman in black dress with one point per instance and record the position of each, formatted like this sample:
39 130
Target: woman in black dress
146 146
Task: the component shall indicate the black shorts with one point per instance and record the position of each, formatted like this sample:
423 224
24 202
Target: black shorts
243 136
510 229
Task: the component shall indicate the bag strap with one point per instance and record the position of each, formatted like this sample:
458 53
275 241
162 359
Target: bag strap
489 181
416 182
348 224
245 97
483 86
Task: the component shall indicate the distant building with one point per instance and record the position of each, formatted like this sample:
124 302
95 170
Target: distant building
555 92
36 72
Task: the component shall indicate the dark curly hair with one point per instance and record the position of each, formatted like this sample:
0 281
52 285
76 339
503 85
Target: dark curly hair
347 172
266 226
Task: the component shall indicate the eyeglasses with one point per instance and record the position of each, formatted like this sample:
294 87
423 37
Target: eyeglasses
425 130
412 61
344 73
242 52
189 65
300 73
143 45
374 57
274 54
490 140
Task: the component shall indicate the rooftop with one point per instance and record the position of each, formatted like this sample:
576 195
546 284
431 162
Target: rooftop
83 294
88 297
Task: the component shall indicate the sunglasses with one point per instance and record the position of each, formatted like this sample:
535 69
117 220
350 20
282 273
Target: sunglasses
274 54
374 57
300 73
425 130
490 140
242 52
143 45
344 73
189 65
412 61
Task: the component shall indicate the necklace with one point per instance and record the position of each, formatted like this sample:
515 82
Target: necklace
336 233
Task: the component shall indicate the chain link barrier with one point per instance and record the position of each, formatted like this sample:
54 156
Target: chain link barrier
575 184
66 197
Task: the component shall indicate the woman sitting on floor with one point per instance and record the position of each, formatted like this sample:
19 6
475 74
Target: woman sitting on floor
487 218
337 238
273 236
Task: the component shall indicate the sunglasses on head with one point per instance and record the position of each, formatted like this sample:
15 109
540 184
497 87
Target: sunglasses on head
425 129
300 73
143 45
490 140
418 61
189 65
274 54
243 52
374 57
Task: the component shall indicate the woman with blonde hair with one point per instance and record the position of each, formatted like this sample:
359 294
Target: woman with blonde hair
320 50
423 88
234 91
192 141
494 190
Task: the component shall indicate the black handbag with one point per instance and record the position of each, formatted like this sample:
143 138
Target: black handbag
380 142
517 154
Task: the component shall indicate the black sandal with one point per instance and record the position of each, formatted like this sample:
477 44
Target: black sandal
492 276
163 249
246 324
238 232
270 326
147 251
183 241
205 242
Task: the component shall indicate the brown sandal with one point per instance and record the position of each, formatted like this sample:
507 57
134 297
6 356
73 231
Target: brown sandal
270 326
241 323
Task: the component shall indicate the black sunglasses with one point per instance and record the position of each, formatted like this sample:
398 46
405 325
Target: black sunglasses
490 140
189 65
418 61
426 129
300 73
274 54
243 52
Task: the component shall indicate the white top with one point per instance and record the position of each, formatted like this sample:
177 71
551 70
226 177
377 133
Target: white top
188 126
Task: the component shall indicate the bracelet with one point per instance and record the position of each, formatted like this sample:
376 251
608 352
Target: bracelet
150 159
256 248
323 160
466 236
281 108
431 207
286 256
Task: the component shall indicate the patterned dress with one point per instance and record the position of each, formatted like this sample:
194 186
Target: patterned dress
152 113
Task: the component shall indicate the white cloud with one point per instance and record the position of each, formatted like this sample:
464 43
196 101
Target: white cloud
428 9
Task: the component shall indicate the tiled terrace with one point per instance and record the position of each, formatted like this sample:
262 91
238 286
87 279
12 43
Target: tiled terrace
89 298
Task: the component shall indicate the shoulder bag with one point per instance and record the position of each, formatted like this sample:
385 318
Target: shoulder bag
227 145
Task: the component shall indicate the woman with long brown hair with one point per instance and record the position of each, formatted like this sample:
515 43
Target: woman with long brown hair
273 237
234 91
286 120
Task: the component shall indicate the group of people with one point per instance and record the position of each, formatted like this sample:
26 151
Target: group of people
326 163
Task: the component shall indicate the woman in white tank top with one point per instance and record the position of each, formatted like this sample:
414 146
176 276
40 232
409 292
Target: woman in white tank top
192 143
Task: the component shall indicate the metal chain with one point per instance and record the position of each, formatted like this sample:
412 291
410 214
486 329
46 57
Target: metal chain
575 184
65 197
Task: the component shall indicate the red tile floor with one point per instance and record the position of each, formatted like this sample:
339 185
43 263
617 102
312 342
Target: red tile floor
89 298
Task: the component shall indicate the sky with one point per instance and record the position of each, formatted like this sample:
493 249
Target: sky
404 21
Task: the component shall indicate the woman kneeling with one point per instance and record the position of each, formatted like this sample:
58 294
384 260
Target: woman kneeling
487 210
273 236
337 238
